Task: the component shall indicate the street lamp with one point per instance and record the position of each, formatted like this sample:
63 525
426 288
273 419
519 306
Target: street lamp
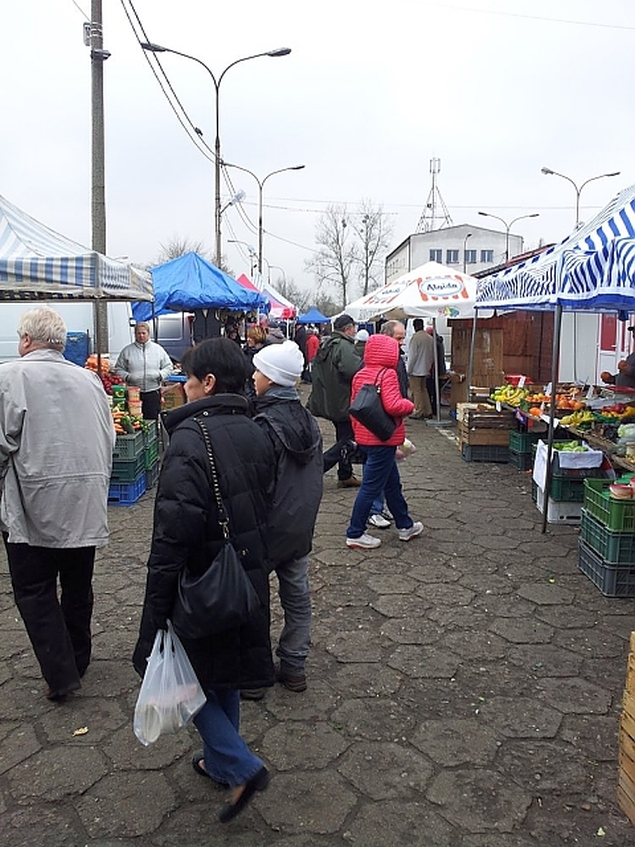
157 48
508 226
261 183
469 235
250 252
578 191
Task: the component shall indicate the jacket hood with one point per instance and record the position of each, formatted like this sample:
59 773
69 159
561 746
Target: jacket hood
292 424
381 351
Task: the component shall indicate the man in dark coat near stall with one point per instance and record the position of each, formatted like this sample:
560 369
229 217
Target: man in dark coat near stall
336 363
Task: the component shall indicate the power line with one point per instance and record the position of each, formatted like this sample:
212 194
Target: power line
531 17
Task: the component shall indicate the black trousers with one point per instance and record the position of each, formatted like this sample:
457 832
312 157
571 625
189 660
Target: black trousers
59 629
150 404
339 454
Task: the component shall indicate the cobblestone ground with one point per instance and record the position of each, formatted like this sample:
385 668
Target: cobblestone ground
464 691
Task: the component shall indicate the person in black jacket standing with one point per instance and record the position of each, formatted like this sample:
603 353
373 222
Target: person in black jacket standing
187 536
297 443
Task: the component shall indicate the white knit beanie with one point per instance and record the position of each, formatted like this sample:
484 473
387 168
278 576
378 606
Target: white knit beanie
281 363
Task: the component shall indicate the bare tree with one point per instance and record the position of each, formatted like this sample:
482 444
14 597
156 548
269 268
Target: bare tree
293 293
177 247
337 253
374 233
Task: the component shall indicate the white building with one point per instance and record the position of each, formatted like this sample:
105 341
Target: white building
464 247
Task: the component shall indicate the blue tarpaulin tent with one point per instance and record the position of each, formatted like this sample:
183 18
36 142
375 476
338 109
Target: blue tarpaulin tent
313 316
191 282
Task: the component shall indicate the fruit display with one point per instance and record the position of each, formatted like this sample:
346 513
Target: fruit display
512 395
108 378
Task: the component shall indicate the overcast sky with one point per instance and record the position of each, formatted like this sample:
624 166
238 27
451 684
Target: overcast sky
370 93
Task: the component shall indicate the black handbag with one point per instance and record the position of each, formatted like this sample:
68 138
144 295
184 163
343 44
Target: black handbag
222 597
368 409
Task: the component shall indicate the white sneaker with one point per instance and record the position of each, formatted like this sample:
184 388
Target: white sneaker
364 542
411 532
379 521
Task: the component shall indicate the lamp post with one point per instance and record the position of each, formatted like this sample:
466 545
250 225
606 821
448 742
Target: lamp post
250 252
157 48
261 184
469 235
578 190
508 226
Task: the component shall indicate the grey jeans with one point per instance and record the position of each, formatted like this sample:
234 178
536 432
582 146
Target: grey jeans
295 598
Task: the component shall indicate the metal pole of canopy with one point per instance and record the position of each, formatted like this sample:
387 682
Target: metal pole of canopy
437 388
470 362
557 324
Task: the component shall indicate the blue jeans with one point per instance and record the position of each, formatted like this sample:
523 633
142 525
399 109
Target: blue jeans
378 503
380 474
227 757
295 638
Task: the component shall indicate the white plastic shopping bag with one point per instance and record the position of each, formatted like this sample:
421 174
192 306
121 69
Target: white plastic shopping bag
170 693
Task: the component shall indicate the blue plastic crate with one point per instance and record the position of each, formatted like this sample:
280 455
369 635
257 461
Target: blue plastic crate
127 493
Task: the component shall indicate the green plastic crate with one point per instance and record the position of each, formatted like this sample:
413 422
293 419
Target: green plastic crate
150 434
522 442
127 470
612 580
616 515
150 455
484 453
520 460
128 446
616 548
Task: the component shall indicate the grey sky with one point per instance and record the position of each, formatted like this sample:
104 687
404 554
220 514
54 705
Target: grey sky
494 88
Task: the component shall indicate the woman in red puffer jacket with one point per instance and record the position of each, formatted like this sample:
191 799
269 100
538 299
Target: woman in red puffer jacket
380 471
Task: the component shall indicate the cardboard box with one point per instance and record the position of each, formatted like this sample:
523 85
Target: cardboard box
172 396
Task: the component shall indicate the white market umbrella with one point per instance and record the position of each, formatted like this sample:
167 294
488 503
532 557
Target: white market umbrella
429 291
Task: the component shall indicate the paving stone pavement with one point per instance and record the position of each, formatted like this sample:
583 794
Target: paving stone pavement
464 691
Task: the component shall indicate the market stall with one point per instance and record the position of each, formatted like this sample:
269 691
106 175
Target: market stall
593 269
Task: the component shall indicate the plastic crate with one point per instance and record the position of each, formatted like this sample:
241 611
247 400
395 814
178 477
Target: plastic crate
522 442
150 434
127 493
150 455
522 461
616 515
616 548
562 490
152 475
128 446
568 473
557 512
484 453
127 470
612 580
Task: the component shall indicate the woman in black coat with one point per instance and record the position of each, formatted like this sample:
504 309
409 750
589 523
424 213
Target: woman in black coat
187 536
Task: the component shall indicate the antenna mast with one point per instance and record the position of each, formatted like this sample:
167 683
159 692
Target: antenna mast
435 214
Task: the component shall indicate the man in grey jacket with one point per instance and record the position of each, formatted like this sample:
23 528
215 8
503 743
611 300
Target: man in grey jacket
56 443
420 361
145 364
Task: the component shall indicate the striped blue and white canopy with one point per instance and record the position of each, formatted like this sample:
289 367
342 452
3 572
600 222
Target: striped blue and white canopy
592 269
37 263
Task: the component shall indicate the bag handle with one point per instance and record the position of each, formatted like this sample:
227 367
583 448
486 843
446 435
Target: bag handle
222 511
377 385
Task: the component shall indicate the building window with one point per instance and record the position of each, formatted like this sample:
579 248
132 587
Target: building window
470 257
487 256
452 257
436 256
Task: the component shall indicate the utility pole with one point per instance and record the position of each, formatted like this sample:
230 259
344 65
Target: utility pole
98 193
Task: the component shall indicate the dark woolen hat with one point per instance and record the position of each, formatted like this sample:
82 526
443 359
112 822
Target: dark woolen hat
342 322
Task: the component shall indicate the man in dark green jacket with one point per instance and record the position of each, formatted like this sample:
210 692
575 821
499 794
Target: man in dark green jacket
334 365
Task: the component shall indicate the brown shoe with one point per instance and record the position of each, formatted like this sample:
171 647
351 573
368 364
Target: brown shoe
293 681
351 482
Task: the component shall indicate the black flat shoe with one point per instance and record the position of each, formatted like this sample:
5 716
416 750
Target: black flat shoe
197 758
258 782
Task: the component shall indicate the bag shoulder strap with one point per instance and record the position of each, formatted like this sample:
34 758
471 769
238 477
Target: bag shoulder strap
223 517
378 377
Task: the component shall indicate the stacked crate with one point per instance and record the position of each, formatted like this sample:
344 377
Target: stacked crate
568 484
151 454
607 540
484 432
521 452
128 477
626 774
